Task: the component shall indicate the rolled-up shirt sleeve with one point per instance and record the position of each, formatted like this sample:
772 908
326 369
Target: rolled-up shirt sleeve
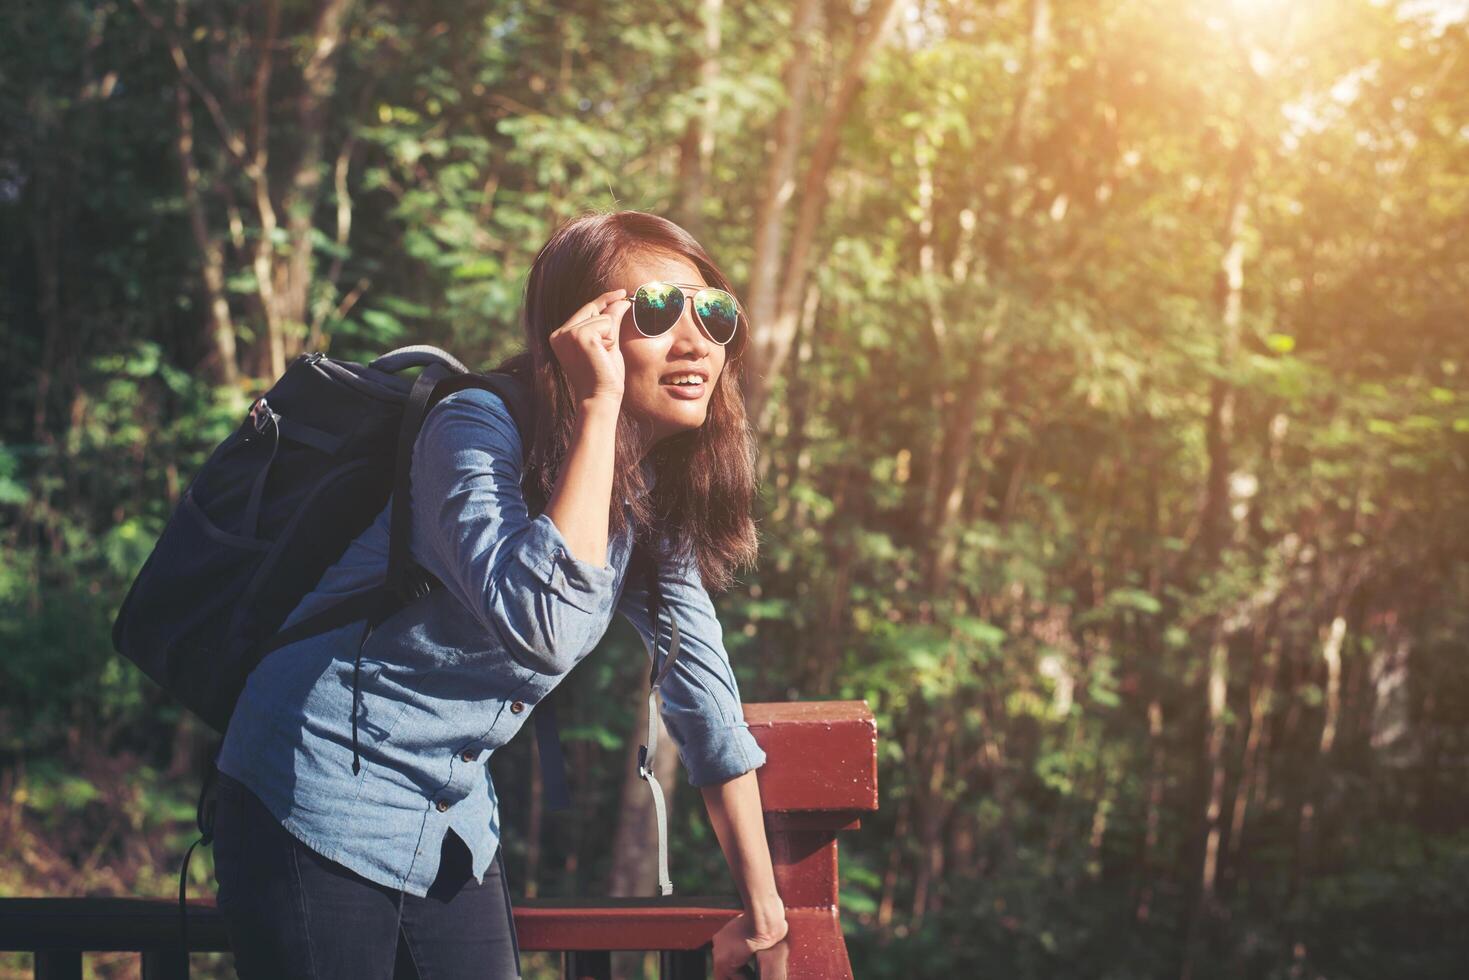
473 530
700 698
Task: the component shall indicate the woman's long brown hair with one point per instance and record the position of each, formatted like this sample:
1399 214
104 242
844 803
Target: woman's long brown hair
704 479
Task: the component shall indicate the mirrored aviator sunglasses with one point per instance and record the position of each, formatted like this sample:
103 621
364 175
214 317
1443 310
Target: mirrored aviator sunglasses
656 307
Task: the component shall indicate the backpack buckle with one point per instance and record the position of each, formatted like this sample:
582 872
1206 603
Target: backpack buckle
261 415
416 583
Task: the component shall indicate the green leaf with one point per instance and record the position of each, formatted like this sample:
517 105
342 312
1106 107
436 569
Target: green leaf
477 269
386 326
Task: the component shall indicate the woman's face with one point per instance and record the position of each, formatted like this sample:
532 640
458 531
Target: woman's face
651 363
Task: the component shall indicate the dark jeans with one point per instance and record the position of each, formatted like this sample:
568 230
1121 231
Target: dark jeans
293 913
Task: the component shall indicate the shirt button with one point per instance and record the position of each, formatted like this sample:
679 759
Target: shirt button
442 805
469 755
517 707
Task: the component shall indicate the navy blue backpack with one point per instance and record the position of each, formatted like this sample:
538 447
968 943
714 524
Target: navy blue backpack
278 502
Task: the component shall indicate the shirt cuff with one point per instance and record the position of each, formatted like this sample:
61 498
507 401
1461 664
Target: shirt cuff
580 583
720 754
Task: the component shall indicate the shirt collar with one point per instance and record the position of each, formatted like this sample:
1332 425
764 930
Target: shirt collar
649 478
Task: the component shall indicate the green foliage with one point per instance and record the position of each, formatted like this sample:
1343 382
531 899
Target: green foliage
1033 235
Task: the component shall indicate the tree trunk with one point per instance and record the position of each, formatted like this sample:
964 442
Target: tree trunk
780 186
293 271
933 811
282 277
1391 709
1218 690
777 333
1261 696
220 363
801 394
958 409
696 151
1017 134
887 899
1219 430
269 357
952 482
47 217
1153 815
1219 437
1332 638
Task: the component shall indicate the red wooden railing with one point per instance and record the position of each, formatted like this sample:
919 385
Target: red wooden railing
820 776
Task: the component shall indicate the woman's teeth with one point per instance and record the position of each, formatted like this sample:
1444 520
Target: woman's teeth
688 387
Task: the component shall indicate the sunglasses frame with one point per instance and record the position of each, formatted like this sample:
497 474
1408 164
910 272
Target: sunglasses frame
688 300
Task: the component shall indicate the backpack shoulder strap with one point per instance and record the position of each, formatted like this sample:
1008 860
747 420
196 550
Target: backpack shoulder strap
420 400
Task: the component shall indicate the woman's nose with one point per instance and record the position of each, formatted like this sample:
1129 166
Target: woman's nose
687 332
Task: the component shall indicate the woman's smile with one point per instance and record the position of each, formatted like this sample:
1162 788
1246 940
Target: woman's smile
687 386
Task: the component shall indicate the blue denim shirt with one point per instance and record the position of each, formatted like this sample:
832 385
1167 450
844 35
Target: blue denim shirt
452 676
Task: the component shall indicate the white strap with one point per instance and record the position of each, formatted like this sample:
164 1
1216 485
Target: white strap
645 765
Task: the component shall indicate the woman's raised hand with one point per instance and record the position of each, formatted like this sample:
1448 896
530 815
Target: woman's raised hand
587 347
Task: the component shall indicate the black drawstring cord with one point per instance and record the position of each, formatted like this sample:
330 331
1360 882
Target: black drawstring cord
367 627
418 583
204 819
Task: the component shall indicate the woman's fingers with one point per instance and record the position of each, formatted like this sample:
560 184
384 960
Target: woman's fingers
587 346
594 307
602 329
736 945
613 318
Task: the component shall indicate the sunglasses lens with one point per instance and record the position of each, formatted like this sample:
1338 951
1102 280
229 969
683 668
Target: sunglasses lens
656 307
717 310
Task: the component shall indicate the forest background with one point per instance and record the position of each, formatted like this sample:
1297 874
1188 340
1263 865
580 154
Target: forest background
1111 376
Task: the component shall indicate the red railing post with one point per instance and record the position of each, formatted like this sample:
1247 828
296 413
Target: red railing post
819 777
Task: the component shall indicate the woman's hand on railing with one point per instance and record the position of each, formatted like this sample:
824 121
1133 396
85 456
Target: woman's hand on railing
772 962
742 937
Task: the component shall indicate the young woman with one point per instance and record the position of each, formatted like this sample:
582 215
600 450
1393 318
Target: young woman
379 855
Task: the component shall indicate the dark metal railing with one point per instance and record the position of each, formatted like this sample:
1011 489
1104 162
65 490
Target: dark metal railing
60 930
819 777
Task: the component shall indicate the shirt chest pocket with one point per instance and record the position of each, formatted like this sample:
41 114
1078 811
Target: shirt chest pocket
445 681
484 698
385 692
